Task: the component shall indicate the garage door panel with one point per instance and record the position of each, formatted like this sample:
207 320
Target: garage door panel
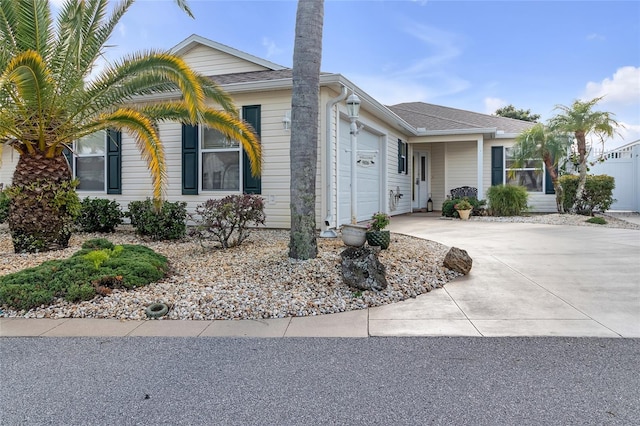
368 179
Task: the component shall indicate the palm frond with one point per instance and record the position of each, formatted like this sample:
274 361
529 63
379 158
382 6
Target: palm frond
147 141
34 30
214 93
8 31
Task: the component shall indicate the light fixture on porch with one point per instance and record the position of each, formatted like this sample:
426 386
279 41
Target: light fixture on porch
286 121
353 107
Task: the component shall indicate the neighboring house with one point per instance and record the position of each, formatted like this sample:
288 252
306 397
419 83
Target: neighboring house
406 153
623 164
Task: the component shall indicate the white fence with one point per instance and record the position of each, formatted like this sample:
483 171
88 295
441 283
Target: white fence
624 165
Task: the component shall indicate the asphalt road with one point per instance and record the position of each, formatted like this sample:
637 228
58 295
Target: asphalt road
307 381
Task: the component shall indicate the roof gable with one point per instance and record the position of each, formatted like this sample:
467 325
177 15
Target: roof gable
194 40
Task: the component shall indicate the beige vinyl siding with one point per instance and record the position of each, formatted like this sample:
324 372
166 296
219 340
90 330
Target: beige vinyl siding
438 194
8 165
208 61
461 165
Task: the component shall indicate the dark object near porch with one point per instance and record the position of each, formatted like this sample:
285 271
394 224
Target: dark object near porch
361 268
464 191
458 260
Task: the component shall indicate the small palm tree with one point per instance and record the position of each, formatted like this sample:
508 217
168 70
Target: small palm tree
580 120
47 101
539 142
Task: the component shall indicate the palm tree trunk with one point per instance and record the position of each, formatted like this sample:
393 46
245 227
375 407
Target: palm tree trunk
582 168
43 203
547 159
307 56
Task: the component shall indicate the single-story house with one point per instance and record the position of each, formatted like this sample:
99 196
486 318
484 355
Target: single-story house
407 153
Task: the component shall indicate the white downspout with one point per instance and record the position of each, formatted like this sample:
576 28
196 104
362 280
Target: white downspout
328 232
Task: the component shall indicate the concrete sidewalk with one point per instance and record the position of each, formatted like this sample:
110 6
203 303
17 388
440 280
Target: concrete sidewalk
526 280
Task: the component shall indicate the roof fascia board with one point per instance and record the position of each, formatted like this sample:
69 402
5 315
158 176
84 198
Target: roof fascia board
193 39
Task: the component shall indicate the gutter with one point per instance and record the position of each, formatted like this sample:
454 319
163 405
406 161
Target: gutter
329 232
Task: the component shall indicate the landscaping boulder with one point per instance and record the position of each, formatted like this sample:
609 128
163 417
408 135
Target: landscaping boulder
361 268
458 260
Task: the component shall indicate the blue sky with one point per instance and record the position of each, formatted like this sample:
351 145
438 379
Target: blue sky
474 55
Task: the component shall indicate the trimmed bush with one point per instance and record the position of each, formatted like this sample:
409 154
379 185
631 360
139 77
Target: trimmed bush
99 215
226 220
597 220
168 223
449 210
507 200
597 196
83 275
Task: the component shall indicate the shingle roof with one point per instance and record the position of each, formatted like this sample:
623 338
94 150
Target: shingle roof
252 76
436 117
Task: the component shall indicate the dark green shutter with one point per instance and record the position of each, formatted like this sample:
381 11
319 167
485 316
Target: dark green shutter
497 165
189 160
114 162
251 184
400 159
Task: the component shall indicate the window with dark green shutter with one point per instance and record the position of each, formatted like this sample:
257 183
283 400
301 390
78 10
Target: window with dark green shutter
497 165
251 184
114 162
189 160
402 157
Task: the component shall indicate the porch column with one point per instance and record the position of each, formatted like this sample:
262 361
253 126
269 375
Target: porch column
480 149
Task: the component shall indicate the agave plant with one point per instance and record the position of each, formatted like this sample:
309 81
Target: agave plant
49 98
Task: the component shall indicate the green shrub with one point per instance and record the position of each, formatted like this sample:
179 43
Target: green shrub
596 220
4 206
168 223
507 200
99 215
449 210
226 220
78 277
597 196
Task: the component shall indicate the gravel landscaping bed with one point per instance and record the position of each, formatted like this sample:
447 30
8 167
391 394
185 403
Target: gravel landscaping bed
255 280
258 280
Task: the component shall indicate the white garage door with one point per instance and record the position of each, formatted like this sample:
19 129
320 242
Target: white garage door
368 175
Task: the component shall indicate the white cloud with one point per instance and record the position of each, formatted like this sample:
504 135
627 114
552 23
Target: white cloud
272 49
622 89
492 104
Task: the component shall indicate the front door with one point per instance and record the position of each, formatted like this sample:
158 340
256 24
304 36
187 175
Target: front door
420 193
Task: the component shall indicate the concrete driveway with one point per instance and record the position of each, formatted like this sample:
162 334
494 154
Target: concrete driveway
526 280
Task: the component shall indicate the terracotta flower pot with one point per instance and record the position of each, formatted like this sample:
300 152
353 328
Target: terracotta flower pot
464 214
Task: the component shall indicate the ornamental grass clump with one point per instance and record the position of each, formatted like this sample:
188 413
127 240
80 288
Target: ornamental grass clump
507 200
95 269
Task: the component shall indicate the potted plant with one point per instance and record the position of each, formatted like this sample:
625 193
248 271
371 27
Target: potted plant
464 209
376 235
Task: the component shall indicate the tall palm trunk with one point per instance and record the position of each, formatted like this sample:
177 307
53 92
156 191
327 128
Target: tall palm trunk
307 55
43 203
582 168
547 159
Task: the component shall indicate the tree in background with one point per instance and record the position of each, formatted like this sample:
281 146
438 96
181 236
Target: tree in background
510 111
307 56
539 142
581 121
48 101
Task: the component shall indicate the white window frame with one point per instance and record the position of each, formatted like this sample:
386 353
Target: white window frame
524 169
202 151
77 155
